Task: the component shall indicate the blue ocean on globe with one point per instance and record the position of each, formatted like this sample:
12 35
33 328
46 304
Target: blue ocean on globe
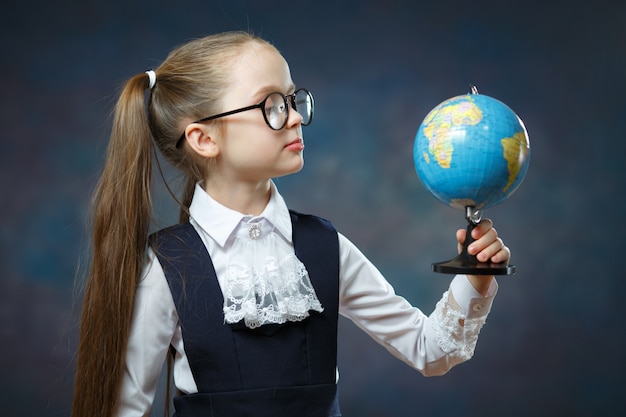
471 151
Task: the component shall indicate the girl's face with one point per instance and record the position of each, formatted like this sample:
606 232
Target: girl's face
249 150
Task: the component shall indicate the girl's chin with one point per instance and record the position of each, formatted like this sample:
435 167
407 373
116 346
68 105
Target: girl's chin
293 170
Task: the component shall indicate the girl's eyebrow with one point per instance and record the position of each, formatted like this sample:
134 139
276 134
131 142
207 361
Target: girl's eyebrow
262 92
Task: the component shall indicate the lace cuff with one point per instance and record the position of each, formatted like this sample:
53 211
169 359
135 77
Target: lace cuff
456 334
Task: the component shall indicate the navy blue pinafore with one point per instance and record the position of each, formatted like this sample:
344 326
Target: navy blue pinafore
286 370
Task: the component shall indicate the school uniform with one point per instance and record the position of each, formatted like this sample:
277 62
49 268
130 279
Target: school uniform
266 363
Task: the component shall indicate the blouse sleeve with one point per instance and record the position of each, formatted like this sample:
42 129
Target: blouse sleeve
431 344
153 325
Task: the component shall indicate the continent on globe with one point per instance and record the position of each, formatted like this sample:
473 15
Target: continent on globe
438 124
515 149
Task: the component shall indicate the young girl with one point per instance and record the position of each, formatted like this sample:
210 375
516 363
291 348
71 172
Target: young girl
244 294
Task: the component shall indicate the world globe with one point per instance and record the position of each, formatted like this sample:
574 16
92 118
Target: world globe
471 151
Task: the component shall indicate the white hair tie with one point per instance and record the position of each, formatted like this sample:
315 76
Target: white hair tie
152 76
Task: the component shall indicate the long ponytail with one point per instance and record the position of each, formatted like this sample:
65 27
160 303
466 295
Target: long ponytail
121 216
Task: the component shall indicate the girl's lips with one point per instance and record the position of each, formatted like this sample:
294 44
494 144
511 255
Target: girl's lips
296 145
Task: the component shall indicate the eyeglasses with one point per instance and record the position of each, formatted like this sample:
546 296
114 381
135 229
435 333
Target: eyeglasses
275 108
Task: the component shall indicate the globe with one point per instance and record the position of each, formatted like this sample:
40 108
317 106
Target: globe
471 151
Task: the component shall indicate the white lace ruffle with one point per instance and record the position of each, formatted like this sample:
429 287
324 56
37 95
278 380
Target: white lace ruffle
265 282
456 334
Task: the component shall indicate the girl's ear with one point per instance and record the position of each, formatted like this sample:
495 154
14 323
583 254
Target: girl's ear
200 138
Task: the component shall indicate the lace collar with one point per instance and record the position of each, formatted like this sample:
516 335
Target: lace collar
264 283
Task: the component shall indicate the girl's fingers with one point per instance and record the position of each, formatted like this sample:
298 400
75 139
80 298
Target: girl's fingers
495 251
483 227
487 246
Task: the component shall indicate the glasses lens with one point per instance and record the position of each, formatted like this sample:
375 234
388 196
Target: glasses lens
276 110
304 106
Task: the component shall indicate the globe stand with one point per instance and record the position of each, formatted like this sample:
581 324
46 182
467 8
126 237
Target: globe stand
465 263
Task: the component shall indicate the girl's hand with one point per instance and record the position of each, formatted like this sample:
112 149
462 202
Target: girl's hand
487 247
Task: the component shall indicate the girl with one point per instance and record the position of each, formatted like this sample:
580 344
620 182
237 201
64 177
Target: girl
244 294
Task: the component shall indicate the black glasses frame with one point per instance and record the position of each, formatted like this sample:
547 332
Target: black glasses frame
290 100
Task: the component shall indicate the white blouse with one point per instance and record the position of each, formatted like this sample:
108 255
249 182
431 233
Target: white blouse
431 344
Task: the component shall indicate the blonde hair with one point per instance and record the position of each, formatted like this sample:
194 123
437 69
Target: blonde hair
189 84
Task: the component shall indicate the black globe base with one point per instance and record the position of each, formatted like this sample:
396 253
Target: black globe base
462 265
468 264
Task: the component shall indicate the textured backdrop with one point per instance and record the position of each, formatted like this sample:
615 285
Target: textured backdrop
555 341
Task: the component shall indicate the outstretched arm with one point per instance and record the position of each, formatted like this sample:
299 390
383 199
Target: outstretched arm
431 344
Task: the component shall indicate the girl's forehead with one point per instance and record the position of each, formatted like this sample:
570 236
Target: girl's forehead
259 67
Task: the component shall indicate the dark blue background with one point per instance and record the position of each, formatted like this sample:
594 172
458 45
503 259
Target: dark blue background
555 341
